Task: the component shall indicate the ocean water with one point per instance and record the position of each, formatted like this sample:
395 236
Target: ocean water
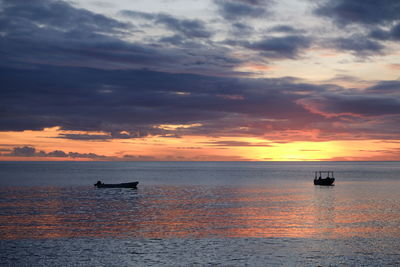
199 214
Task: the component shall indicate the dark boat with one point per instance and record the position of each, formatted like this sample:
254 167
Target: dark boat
329 180
99 184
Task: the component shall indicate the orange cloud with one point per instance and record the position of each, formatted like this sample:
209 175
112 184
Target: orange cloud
394 66
276 146
317 107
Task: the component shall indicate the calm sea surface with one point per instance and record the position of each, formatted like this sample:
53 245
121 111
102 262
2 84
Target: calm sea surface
199 213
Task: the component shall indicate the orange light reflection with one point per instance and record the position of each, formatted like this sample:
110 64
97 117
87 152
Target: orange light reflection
191 212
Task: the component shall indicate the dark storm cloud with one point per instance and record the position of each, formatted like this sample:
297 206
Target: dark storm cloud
238 9
191 28
366 12
281 47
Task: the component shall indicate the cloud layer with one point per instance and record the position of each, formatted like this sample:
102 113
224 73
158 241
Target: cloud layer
30 151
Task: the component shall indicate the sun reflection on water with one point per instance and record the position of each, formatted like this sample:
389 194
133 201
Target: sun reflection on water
192 211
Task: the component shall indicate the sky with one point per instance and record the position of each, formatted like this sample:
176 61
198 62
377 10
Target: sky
200 80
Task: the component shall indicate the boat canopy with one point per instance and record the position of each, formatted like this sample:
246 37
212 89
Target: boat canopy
328 173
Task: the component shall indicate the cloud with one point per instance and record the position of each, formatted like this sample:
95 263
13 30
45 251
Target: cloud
367 12
53 32
393 34
385 87
284 29
138 133
241 29
126 104
54 15
242 9
86 137
81 73
32 152
23 151
376 21
281 47
87 39
233 143
330 105
29 151
357 44
191 28
138 14
134 112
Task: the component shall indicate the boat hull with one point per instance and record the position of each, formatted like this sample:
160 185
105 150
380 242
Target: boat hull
122 185
324 181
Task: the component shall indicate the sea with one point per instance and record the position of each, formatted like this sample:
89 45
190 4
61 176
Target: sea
199 214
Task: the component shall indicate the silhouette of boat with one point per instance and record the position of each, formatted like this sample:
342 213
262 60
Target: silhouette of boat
328 180
99 184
